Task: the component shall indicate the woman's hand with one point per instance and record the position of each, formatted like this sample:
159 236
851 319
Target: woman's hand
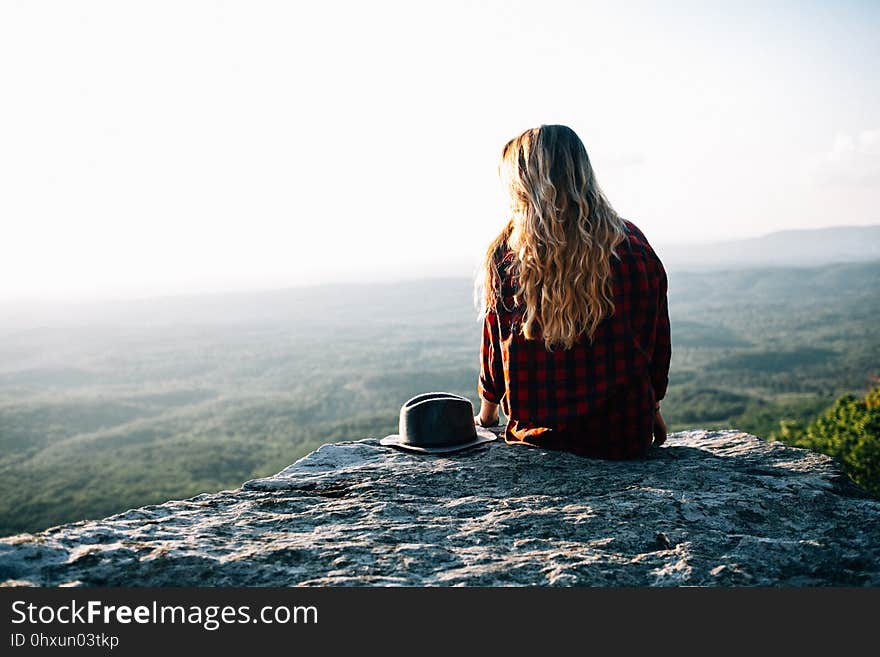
659 428
488 416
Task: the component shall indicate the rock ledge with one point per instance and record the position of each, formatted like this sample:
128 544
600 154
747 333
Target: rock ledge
709 508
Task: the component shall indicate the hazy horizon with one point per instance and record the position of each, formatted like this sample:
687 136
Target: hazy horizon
176 148
676 257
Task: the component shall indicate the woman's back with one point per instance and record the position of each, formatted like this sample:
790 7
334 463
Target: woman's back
596 398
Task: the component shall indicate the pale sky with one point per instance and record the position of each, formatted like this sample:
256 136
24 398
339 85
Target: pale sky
156 147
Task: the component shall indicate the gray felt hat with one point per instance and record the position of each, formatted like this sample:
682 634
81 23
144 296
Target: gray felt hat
437 423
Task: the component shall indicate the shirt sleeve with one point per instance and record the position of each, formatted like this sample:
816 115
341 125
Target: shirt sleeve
662 342
491 382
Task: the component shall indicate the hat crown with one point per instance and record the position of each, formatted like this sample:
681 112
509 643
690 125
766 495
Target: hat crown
437 419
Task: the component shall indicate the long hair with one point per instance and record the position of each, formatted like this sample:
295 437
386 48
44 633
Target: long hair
562 232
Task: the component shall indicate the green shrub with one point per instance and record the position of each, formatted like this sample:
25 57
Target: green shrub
848 431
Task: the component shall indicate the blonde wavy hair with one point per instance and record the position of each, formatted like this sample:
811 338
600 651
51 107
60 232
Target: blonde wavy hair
563 233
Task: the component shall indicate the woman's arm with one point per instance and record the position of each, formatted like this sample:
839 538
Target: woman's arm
662 341
490 386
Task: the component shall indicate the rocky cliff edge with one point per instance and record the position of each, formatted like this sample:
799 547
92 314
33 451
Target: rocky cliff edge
708 508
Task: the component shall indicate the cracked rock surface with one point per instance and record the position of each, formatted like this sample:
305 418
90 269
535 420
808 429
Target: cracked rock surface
708 508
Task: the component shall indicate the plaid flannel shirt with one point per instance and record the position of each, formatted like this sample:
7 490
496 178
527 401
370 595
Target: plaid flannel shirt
592 399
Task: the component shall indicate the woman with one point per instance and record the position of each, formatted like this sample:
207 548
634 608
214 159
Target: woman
576 341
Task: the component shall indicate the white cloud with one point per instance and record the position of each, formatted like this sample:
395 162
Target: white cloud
851 161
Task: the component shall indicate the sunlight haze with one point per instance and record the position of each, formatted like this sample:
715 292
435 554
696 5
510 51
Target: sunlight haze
158 147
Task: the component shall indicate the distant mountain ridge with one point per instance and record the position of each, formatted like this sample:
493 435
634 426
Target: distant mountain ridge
784 248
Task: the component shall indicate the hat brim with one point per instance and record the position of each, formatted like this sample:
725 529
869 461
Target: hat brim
394 440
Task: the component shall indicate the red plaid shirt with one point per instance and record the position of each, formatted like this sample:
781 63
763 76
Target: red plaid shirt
592 399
